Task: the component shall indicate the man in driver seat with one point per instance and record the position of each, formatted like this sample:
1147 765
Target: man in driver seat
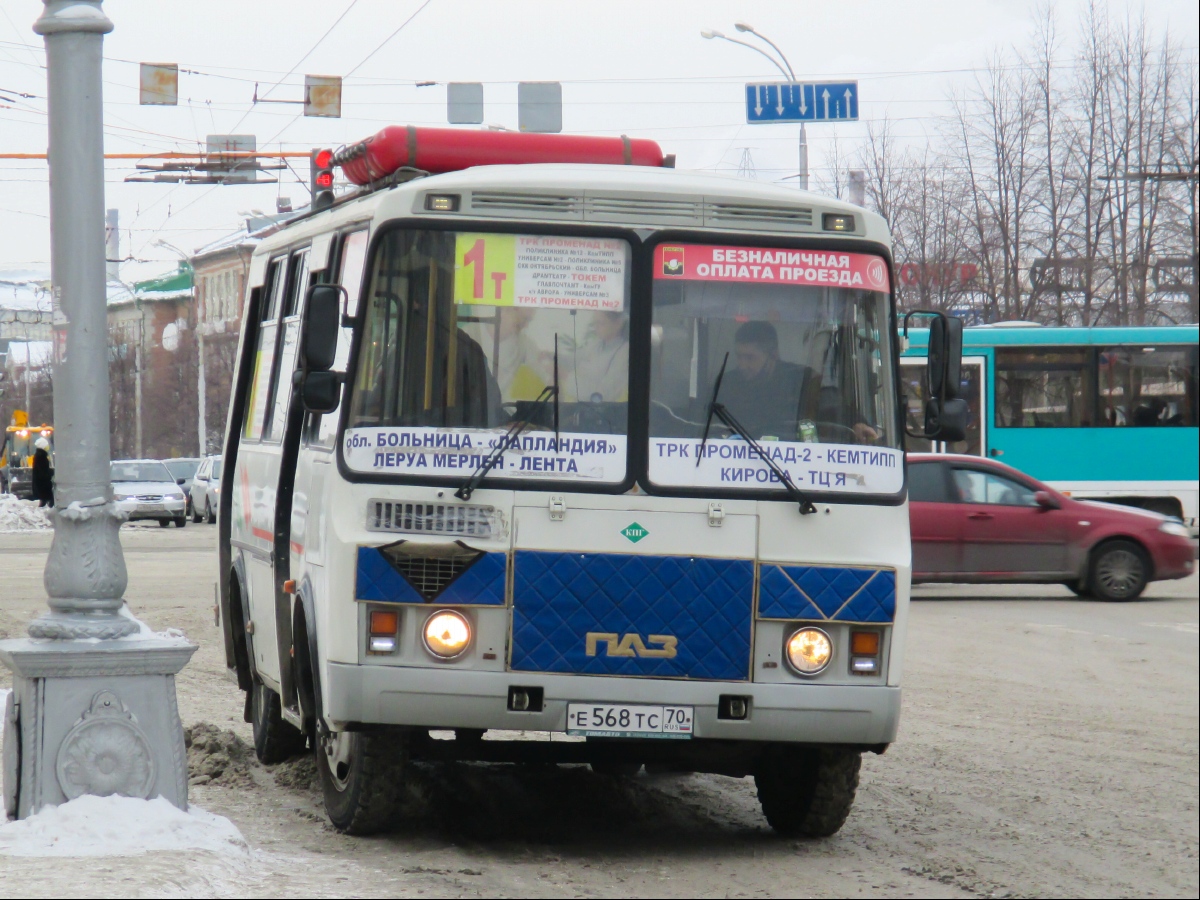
771 396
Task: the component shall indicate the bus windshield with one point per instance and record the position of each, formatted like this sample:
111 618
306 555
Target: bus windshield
464 331
803 341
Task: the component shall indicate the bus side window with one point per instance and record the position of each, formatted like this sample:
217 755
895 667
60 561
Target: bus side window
264 354
352 260
281 383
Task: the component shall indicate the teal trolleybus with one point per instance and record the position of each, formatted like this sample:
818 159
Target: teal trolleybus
1101 413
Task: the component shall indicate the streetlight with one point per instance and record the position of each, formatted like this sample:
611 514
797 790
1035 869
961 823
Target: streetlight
201 384
788 73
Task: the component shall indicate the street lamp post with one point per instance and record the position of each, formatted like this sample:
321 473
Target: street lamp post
788 73
91 711
201 385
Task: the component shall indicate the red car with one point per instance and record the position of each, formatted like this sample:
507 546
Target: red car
975 520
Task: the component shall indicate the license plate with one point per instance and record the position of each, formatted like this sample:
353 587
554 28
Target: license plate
627 720
149 507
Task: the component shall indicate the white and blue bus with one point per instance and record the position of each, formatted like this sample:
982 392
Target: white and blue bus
613 452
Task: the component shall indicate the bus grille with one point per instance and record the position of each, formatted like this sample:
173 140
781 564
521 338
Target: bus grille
464 520
429 575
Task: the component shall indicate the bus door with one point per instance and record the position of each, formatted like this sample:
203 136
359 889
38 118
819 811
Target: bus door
974 390
348 255
261 458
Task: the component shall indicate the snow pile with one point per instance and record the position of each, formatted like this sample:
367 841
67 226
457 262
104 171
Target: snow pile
119 826
22 515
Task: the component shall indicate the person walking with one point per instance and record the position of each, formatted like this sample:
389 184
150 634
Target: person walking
43 475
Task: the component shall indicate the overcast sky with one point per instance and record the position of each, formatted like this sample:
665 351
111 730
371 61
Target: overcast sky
637 67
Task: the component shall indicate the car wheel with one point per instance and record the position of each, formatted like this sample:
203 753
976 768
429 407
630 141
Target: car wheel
1120 570
163 523
180 521
210 516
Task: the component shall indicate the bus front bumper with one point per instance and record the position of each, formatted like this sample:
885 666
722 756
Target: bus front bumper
446 699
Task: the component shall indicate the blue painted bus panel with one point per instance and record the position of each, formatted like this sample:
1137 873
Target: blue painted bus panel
703 605
482 584
826 593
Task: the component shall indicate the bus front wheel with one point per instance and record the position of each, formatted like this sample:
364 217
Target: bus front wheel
362 778
807 792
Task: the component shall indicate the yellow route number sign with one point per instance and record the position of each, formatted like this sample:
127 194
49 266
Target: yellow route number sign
485 268
544 271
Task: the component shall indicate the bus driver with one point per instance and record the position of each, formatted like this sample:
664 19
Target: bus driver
771 396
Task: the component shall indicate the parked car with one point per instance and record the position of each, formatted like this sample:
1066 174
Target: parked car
976 520
148 490
183 469
206 490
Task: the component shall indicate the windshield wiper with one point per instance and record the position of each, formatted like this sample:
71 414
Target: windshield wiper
712 408
806 505
550 392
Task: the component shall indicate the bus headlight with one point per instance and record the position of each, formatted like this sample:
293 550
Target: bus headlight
809 651
447 634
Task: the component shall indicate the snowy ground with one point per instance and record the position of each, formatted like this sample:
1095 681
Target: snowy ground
1049 746
21 515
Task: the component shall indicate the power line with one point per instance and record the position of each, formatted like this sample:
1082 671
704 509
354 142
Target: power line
388 38
310 52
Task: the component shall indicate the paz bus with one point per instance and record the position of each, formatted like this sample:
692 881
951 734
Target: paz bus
1100 413
533 433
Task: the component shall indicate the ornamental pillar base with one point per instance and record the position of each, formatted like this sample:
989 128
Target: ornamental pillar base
93 717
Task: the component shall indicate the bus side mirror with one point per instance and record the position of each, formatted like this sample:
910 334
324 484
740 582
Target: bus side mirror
946 414
322 319
320 392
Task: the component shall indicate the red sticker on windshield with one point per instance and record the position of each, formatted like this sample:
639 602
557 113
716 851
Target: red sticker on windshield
767 265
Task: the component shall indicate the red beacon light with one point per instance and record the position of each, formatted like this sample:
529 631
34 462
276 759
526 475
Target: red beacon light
439 150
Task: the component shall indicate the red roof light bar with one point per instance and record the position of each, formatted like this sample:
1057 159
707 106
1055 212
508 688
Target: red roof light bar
438 150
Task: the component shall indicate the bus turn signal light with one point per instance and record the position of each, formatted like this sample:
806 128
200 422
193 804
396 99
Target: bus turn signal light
384 621
864 643
383 625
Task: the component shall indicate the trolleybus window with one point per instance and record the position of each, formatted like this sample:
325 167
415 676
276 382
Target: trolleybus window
1147 386
1043 388
804 339
461 335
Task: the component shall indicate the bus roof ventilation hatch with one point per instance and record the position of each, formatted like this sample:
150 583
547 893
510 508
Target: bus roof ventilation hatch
744 215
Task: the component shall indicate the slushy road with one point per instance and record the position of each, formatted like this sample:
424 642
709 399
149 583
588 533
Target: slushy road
1049 746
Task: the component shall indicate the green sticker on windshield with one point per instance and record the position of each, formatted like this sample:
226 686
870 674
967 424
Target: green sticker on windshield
635 532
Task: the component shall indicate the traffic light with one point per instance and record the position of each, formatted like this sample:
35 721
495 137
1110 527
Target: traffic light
321 169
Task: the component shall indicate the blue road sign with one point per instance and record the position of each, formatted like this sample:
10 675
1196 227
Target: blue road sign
821 101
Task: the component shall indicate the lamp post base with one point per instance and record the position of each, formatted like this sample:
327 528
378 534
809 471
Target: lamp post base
93 717
77 626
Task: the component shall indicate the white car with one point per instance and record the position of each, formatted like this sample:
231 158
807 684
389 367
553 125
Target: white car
149 491
206 490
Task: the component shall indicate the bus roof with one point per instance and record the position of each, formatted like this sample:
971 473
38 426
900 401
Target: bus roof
1047 335
633 196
